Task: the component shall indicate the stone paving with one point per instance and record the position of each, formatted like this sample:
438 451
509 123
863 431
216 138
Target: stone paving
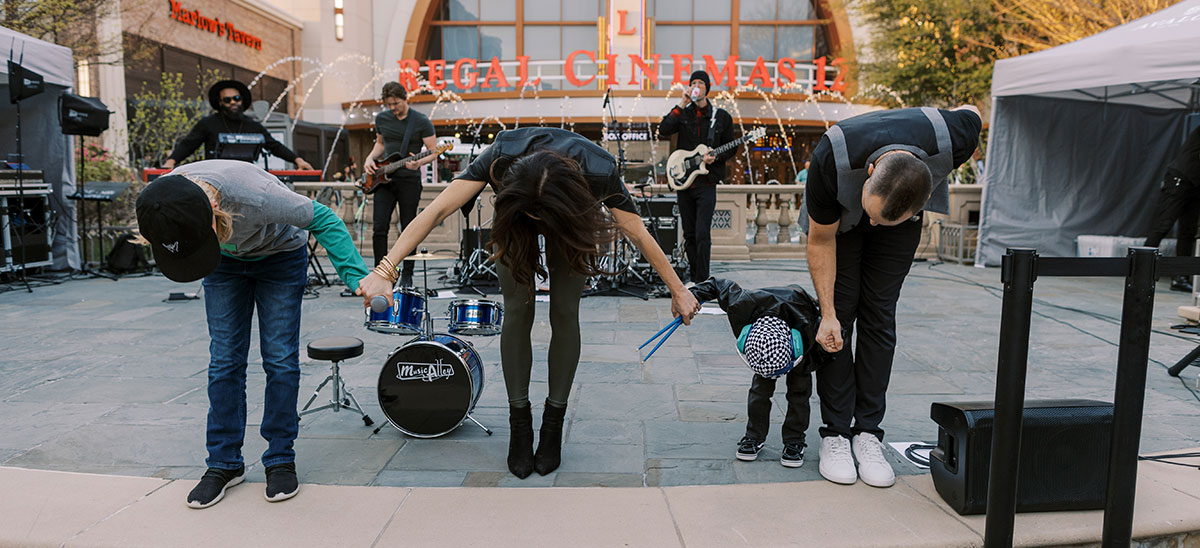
105 377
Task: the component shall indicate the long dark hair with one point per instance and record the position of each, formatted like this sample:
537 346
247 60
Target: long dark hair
546 193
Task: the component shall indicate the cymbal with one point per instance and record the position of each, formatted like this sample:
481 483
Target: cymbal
425 255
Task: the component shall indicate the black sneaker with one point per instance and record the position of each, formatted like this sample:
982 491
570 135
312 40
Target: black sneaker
1181 283
281 482
212 486
793 455
748 448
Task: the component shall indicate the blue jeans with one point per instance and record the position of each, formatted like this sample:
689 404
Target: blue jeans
275 285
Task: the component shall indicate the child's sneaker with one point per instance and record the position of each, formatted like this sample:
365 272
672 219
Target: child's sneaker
748 448
793 455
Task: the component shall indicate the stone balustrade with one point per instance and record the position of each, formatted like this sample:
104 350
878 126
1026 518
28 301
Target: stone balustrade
749 221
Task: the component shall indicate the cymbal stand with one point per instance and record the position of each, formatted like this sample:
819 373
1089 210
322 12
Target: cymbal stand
479 262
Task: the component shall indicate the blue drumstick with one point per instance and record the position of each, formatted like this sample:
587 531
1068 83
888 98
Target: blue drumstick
674 326
675 322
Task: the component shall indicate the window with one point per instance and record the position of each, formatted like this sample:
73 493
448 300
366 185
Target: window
768 28
482 29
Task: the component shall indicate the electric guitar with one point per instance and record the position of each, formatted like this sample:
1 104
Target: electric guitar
385 167
683 166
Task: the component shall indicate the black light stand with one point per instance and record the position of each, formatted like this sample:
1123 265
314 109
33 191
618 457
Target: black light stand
22 84
86 116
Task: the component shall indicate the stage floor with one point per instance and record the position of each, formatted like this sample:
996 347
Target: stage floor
105 377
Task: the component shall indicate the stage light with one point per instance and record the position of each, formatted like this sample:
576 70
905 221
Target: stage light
82 115
23 83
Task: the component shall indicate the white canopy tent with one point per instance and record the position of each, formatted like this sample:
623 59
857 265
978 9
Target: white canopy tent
42 142
1081 134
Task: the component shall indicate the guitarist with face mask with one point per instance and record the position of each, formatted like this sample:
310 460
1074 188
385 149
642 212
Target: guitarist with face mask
400 132
698 122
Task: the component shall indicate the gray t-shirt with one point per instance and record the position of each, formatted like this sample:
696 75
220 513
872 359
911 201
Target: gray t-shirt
393 130
267 216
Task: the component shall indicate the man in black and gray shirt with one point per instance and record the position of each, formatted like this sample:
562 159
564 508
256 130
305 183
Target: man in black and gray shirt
398 130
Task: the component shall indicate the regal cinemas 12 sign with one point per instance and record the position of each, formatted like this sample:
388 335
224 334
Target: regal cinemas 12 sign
214 25
465 73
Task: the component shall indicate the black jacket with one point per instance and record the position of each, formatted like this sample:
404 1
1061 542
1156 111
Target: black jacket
693 131
598 166
206 130
791 304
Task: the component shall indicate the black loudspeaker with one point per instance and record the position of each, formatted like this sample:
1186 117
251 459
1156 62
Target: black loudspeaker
82 115
1064 454
26 236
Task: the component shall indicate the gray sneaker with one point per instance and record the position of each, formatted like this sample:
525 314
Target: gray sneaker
281 482
212 486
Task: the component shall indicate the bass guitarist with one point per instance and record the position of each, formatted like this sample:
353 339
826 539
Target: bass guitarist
399 129
698 122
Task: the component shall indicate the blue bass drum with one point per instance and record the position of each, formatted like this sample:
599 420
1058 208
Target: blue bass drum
428 387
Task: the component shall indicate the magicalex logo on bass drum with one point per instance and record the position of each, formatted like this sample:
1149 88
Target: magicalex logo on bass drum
428 372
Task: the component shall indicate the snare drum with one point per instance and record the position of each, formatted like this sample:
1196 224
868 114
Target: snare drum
403 317
480 317
428 387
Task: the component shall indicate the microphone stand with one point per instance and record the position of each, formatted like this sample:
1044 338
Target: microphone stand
615 283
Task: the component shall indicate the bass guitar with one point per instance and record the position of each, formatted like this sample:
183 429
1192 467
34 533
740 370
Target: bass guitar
387 166
683 166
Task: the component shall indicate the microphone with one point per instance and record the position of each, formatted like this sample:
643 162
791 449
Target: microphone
606 92
379 304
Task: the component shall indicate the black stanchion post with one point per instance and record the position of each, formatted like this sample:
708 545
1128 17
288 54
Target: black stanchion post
1130 395
1018 272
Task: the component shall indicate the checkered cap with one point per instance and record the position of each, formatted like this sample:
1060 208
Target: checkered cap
768 349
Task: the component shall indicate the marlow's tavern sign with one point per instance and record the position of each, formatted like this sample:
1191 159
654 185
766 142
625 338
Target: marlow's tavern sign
213 25
759 75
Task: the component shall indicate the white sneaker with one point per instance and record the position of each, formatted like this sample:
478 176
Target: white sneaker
836 463
873 467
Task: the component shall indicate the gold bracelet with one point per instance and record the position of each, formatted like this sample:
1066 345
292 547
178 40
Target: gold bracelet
387 263
384 273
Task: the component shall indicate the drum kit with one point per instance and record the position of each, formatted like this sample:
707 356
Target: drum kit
625 265
431 384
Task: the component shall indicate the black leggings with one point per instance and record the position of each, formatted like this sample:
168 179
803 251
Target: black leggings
516 349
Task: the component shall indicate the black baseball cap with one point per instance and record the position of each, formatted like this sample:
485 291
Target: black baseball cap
175 216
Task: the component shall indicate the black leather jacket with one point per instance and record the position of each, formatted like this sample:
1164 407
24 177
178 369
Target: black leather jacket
791 304
693 131
598 166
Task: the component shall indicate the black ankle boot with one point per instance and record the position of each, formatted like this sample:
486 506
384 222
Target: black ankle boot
520 441
549 451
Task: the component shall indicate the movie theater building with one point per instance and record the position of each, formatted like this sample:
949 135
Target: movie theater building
479 66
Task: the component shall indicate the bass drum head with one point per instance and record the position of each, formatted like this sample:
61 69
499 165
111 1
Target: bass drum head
426 388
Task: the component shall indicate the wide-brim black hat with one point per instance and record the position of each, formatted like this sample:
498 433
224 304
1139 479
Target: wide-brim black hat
175 216
214 93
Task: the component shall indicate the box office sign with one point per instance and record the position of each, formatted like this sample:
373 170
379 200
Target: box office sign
215 25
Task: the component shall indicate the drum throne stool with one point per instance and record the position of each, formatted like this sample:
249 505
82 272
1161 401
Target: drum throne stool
336 349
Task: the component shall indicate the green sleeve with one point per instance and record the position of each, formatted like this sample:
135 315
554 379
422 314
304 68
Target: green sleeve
330 232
